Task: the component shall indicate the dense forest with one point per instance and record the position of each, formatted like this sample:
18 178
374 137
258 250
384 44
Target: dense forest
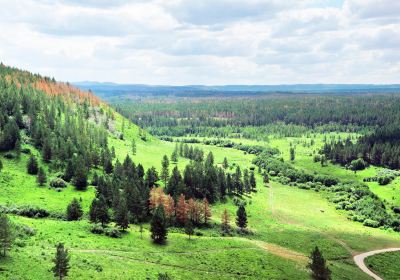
70 128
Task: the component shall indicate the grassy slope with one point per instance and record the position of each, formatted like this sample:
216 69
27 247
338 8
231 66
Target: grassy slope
287 223
383 264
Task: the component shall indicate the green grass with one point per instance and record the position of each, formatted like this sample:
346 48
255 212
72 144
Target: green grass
385 265
286 224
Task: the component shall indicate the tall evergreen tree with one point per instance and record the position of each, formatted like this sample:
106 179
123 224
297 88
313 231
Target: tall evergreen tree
158 225
133 147
292 154
80 175
121 215
241 217
41 177
165 169
6 235
9 136
225 224
32 166
189 229
61 262
317 265
74 210
98 212
253 182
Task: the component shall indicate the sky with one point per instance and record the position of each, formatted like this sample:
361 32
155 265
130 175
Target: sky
212 42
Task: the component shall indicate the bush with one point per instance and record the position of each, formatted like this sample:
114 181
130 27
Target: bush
384 180
26 151
97 229
58 183
10 155
371 223
112 232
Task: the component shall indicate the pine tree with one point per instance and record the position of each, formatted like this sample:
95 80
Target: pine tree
41 177
151 177
9 136
253 182
206 211
246 181
98 212
80 175
133 147
241 217
225 163
74 210
46 151
32 166
181 211
165 169
61 262
121 215
317 265
1 165
225 225
6 235
69 171
158 225
189 229
17 148
174 156
292 154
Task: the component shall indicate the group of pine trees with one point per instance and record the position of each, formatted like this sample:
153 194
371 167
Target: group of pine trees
67 126
381 148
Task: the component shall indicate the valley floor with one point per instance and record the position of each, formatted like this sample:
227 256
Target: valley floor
286 224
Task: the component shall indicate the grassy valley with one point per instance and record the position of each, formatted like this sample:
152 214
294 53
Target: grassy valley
286 218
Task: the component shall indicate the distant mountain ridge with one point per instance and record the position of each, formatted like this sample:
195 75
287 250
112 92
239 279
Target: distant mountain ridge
109 90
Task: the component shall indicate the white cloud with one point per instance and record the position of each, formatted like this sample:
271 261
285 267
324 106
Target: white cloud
210 42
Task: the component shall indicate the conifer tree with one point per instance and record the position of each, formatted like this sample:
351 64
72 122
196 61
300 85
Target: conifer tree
41 177
46 151
225 222
6 235
174 156
292 154
1 165
61 262
206 211
241 217
189 229
317 265
69 171
181 211
9 136
98 212
32 166
17 148
133 147
225 163
151 177
158 225
74 210
253 182
165 169
121 215
80 175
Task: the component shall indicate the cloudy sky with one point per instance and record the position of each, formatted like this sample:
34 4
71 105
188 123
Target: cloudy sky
204 41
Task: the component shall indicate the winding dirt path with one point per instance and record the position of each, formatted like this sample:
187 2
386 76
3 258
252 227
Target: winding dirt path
359 260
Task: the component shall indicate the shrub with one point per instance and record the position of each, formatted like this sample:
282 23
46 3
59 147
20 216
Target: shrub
10 156
371 223
97 229
58 183
112 232
384 180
